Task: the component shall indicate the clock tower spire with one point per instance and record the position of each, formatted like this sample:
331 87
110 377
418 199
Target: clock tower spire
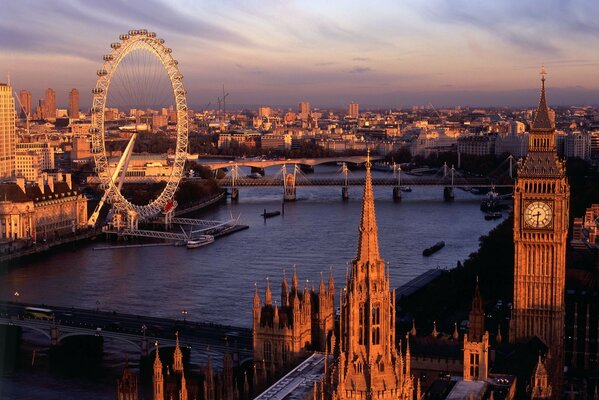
541 204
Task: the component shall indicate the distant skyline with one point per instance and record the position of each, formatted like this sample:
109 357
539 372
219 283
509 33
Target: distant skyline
379 54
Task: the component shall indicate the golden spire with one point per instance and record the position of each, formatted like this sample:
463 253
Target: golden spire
368 242
542 120
157 362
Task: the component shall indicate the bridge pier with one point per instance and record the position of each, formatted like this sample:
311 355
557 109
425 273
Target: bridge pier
289 184
396 193
345 192
234 194
54 335
448 193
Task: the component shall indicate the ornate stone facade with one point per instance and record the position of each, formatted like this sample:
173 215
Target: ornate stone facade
368 365
50 208
541 204
303 321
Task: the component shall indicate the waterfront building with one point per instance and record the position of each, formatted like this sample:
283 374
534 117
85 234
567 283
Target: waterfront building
7 132
276 141
235 138
302 322
50 105
47 209
541 202
74 104
368 365
25 99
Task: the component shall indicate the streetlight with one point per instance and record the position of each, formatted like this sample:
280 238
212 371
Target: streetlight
17 297
184 314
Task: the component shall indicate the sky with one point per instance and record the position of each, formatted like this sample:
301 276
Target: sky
377 53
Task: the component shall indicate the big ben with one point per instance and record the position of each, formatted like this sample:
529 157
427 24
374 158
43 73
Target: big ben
541 203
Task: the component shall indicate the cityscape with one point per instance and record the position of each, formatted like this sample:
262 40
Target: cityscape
244 200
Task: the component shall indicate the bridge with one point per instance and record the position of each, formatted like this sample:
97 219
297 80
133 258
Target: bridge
261 164
136 331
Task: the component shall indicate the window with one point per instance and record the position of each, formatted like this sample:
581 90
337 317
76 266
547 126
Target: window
267 351
361 325
376 324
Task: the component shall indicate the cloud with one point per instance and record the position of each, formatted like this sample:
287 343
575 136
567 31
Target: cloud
324 64
359 70
360 59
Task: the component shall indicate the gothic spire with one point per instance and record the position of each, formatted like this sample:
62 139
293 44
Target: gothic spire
368 242
267 293
542 120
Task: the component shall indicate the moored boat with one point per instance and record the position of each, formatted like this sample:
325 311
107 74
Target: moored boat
433 249
202 240
493 215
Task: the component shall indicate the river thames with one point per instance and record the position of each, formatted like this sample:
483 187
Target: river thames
216 283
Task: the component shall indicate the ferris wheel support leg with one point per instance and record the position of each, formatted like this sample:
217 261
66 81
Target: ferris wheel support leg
124 161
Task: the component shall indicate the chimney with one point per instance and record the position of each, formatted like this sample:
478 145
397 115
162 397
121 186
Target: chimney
68 180
21 184
51 183
40 183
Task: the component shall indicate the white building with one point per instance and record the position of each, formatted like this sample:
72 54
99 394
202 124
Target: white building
577 144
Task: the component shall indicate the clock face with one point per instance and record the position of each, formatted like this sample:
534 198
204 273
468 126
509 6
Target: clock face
537 214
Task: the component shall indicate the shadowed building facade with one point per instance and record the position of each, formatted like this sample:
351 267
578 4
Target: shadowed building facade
541 203
368 365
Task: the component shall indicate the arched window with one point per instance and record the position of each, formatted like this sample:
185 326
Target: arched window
362 324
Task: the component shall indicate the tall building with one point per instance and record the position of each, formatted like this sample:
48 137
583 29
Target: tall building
74 104
7 131
476 342
353 110
50 104
304 110
25 99
368 365
541 202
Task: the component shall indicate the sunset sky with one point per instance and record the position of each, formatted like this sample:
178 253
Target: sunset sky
378 53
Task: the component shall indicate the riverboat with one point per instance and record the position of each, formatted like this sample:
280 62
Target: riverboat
201 241
433 249
270 214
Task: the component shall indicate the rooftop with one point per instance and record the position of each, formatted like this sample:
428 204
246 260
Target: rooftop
298 383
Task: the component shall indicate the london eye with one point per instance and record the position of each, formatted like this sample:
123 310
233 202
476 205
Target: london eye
142 77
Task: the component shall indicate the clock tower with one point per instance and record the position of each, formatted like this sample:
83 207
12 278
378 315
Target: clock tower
541 203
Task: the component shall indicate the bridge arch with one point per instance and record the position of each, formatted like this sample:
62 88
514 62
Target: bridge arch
24 326
128 341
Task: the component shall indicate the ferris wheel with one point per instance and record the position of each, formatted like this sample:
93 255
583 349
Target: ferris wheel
111 177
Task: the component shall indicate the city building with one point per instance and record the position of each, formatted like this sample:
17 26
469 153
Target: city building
368 365
25 99
42 210
127 385
353 110
7 131
304 321
541 201
74 104
27 165
476 145
276 141
577 144
50 105
264 112
304 110
44 151
513 143
235 138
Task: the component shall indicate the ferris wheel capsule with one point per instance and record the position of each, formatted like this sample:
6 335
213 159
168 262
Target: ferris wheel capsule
152 34
108 57
97 90
124 37
102 72
115 45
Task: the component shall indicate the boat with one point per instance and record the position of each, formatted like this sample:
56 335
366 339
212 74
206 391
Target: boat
433 249
270 214
382 167
405 188
493 215
202 240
